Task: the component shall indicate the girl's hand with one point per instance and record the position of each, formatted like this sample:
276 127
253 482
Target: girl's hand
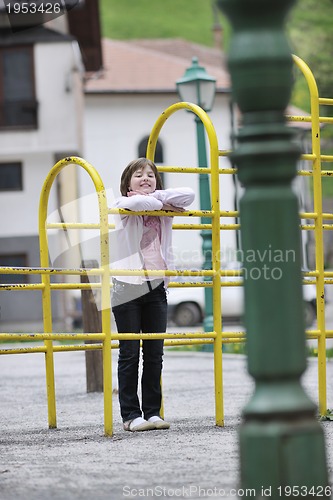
166 206
134 193
172 208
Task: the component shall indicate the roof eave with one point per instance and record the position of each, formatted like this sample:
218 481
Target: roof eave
220 90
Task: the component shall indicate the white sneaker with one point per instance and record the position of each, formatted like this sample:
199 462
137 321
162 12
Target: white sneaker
138 424
158 422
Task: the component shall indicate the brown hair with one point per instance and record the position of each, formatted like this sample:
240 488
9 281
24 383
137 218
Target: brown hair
132 167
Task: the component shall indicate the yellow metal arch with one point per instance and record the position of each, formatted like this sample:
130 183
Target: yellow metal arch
215 227
318 227
105 287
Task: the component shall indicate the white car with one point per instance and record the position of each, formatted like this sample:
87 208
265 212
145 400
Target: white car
186 305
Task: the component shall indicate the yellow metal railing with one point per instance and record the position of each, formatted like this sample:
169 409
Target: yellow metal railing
319 275
46 287
215 228
217 337
316 159
105 286
109 339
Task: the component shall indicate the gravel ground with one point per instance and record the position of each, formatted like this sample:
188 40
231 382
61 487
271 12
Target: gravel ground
76 461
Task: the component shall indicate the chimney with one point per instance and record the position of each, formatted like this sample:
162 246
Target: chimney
218 36
217 28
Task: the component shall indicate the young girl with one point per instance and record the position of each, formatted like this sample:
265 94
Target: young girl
139 302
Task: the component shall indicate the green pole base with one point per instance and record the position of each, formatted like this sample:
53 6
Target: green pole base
208 325
275 459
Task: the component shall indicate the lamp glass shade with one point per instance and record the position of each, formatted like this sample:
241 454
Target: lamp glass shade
207 94
197 86
188 92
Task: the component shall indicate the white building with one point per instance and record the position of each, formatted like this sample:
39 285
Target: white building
49 109
45 116
40 122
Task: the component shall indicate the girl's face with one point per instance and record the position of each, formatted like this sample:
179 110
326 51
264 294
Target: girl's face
143 180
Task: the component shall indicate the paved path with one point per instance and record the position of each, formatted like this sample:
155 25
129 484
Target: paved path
76 461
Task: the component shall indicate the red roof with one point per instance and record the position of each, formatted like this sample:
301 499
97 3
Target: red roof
152 65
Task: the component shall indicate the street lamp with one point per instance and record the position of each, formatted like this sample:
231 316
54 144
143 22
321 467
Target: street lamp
198 87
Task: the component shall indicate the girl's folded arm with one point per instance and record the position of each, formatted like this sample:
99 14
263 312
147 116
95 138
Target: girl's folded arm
138 202
179 197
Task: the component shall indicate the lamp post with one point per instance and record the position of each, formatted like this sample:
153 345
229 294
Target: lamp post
198 87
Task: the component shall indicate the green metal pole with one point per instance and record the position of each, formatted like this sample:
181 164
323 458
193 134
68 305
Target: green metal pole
281 442
206 235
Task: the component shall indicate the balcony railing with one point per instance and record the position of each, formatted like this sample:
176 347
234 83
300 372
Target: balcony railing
20 113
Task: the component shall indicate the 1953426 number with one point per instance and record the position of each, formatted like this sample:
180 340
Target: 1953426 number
33 8
305 491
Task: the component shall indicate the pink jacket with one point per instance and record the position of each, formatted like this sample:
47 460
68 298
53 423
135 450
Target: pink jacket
125 252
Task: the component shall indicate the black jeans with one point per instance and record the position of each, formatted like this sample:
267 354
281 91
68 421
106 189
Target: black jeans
147 313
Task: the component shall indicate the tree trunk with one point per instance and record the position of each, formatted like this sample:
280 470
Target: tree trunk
92 323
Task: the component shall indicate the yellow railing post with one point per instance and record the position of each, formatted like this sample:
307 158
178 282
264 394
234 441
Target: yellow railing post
105 287
46 304
318 221
106 313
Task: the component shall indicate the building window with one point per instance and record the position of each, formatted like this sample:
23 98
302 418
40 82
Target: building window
158 152
18 105
142 150
19 260
11 176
